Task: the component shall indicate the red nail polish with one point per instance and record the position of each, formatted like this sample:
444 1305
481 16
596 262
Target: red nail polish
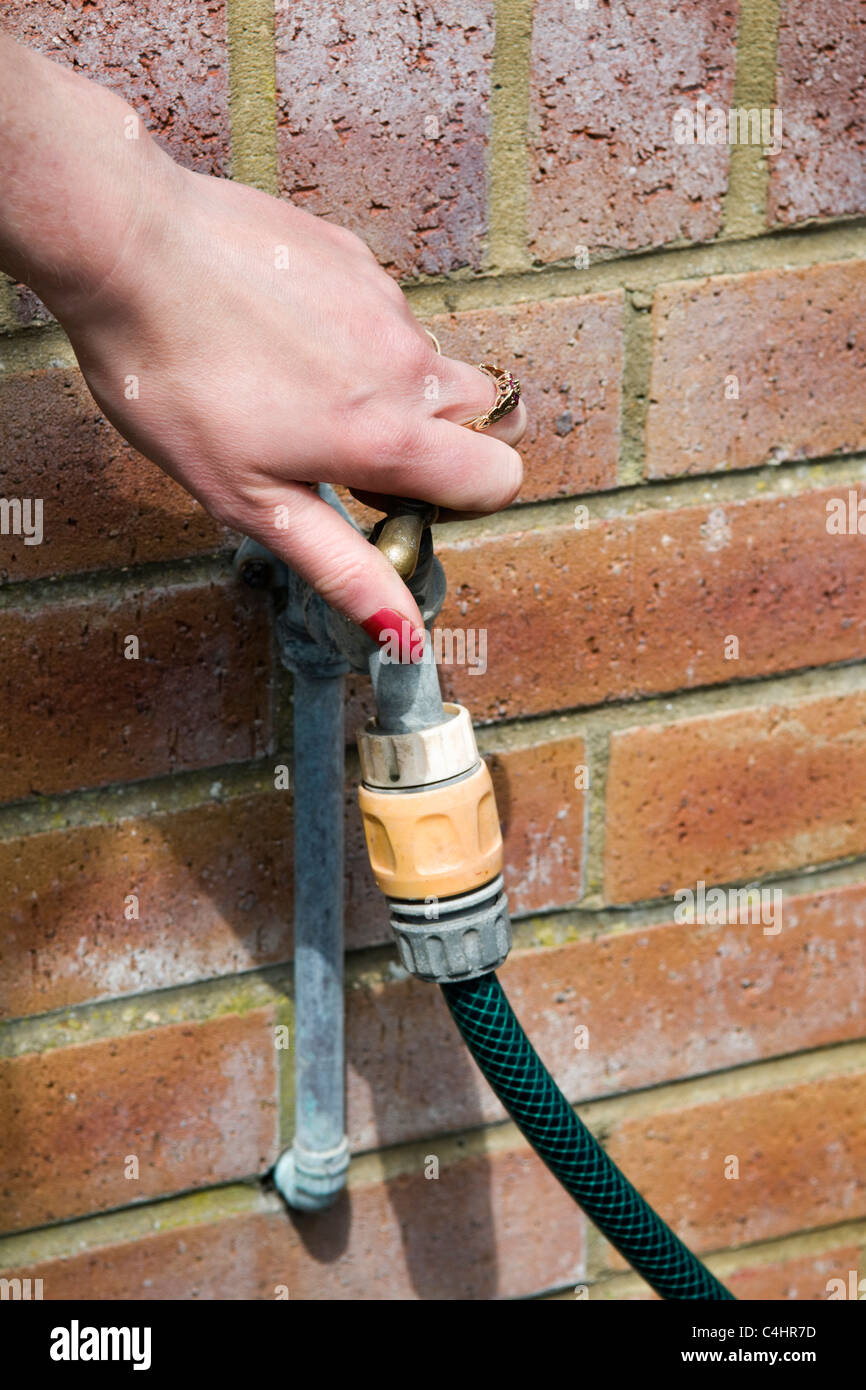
399 638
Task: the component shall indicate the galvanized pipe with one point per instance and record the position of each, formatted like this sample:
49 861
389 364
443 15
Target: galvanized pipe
407 695
313 1171
318 647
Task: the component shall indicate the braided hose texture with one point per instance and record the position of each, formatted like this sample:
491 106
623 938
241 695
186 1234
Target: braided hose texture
539 1109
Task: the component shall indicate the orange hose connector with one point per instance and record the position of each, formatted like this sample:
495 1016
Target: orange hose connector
433 841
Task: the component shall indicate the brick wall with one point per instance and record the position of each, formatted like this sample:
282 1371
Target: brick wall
669 606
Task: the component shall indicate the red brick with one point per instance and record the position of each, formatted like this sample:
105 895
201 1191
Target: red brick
661 1003
25 308
801 1151
195 1102
355 88
735 796
169 61
821 90
606 82
76 713
568 355
635 605
214 884
804 1279
542 814
497 1226
409 1074
103 504
794 341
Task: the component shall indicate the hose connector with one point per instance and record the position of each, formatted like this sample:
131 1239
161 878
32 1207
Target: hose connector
457 938
435 846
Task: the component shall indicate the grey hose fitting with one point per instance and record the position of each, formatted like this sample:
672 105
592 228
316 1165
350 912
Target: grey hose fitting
453 938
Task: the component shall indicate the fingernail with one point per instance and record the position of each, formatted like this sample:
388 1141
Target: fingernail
399 639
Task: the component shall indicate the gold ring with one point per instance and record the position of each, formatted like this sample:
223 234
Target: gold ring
507 396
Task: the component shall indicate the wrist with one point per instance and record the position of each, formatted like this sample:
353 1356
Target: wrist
79 173
92 277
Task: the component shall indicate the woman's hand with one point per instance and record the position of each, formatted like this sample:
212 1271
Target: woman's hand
252 350
267 351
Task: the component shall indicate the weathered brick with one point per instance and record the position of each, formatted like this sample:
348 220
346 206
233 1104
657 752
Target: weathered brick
805 1279
103 504
542 813
20 307
497 1226
76 712
639 604
821 91
169 61
568 355
606 170
660 1004
249 1257
788 342
802 1279
735 796
801 1151
214 889
383 124
635 605
214 885
195 1103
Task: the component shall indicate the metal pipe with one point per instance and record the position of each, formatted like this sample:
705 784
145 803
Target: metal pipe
407 695
312 1172
318 647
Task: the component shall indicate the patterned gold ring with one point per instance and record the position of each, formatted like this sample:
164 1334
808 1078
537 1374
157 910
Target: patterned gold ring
507 396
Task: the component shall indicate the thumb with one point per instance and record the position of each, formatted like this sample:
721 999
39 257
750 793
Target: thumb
347 571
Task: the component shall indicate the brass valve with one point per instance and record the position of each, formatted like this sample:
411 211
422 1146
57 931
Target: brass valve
398 535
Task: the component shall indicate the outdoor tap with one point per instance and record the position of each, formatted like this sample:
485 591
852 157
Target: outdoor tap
426 796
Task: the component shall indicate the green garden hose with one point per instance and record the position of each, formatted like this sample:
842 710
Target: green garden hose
539 1109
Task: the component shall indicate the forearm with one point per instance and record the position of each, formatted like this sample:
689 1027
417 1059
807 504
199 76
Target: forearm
75 170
